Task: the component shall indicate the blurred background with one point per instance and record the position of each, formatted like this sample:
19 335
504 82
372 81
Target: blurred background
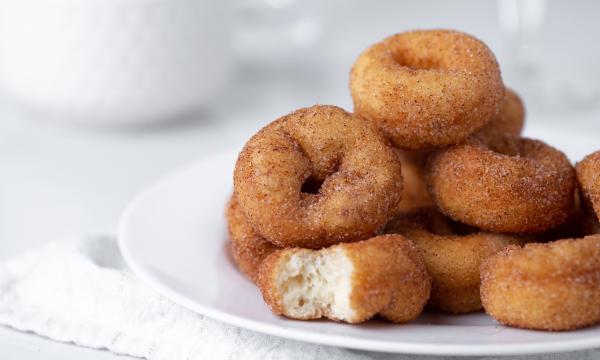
100 97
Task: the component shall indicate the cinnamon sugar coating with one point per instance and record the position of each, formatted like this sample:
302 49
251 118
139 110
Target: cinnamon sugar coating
514 185
553 286
248 249
317 177
427 88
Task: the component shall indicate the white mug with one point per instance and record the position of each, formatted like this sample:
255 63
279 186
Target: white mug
114 62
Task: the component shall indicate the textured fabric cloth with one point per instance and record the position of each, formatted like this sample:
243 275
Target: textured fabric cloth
79 291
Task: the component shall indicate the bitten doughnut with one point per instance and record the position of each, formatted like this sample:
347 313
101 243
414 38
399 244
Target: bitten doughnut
588 176
347 282
427 88
248 249
553 286
317 177
511 185
452 256
509 120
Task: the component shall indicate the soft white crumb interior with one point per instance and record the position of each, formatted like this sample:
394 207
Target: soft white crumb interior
317 283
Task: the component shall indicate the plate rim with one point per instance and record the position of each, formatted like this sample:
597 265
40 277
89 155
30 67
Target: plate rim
304 335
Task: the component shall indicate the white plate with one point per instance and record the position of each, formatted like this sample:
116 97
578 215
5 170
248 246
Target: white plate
173 236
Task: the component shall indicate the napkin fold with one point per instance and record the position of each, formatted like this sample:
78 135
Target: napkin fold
80 291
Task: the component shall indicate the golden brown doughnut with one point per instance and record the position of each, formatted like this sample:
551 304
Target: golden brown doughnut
452 256
512 186
317 177
248 249
588 176
427 88
347 282
553 286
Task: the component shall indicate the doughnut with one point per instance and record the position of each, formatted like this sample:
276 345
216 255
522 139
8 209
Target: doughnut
553 286
250 250
452 256
414 193
588 177
317 177
247 248
427 88
352 282
510 185
509 120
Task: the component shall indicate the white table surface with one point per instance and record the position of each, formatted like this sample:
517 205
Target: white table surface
57 180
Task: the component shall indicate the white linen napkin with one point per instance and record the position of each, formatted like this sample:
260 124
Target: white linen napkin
79 291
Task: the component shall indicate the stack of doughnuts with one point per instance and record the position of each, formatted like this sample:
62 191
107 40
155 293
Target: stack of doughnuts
425 196
313 190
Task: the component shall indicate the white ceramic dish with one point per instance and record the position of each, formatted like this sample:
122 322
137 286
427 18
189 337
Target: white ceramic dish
114 62
173 236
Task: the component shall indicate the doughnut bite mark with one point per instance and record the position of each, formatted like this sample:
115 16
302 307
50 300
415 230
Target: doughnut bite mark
452 254
510 185
347 282
317 177
553 286
427 88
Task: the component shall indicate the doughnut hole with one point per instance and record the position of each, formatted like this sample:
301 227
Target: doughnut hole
311 185
411 61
